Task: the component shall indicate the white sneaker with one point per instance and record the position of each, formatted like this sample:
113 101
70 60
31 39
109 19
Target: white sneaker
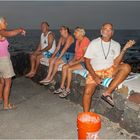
64 94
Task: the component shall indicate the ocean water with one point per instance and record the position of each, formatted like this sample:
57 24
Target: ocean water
31 40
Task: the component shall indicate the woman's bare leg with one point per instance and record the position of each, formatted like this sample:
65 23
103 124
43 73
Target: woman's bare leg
6 91
55 69
1 88
69 74
51 66
64 75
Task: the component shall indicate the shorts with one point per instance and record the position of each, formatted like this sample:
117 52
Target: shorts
6 68
106 73
67 57
83 65
47 54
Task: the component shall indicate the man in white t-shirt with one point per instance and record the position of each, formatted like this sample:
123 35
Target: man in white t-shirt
103 59
45 48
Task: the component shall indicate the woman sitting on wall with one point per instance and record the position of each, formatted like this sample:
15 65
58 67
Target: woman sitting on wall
77 63
63 53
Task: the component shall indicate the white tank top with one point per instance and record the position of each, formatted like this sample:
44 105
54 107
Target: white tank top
44 42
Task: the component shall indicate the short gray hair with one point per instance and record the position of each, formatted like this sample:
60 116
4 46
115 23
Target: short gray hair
81 29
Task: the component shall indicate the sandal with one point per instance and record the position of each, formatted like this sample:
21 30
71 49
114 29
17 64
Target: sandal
64 94
47 83
30 75
44 81
108 99
10 107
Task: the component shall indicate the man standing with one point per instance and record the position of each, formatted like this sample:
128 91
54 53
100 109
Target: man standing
104 59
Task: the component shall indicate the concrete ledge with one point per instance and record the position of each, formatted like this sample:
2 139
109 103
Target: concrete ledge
21 63
125 112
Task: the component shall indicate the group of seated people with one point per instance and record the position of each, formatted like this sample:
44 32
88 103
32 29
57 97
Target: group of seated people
102 57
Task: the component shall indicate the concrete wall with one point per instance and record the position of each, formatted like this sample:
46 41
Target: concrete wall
126 113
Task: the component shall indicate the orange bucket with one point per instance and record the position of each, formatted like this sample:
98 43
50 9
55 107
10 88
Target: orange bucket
88 124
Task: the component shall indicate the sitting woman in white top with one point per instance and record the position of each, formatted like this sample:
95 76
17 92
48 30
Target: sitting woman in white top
45 49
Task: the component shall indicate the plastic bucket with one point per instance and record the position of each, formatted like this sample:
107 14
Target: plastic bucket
88 125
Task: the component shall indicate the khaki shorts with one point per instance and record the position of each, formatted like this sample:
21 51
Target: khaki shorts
106 73
6 68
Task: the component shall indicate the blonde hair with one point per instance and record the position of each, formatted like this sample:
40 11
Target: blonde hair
81 30
2 19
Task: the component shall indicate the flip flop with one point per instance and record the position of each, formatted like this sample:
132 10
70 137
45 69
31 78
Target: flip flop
108 99
10 107
30 75
44 81
47 83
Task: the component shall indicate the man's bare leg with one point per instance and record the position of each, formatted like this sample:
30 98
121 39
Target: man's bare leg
33 63
1 88
122 72
87 96
37 62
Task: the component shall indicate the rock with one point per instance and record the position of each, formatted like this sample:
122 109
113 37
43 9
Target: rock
135 97
41 73
131 118
21 63
135 138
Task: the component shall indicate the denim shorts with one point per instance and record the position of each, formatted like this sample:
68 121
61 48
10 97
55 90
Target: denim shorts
47 54
83 65
67 57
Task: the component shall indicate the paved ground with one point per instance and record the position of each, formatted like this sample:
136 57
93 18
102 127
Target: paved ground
40 114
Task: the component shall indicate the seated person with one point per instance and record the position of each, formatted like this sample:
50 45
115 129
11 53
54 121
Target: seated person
45 48
63 53
104 59
77 63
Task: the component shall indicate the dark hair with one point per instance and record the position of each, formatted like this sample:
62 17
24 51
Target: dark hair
45 22
107 23
66 28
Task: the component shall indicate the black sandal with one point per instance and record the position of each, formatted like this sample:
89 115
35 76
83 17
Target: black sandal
108 99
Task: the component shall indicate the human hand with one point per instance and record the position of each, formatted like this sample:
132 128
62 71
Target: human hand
23 32
129 44
98 80
37 53
58 59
